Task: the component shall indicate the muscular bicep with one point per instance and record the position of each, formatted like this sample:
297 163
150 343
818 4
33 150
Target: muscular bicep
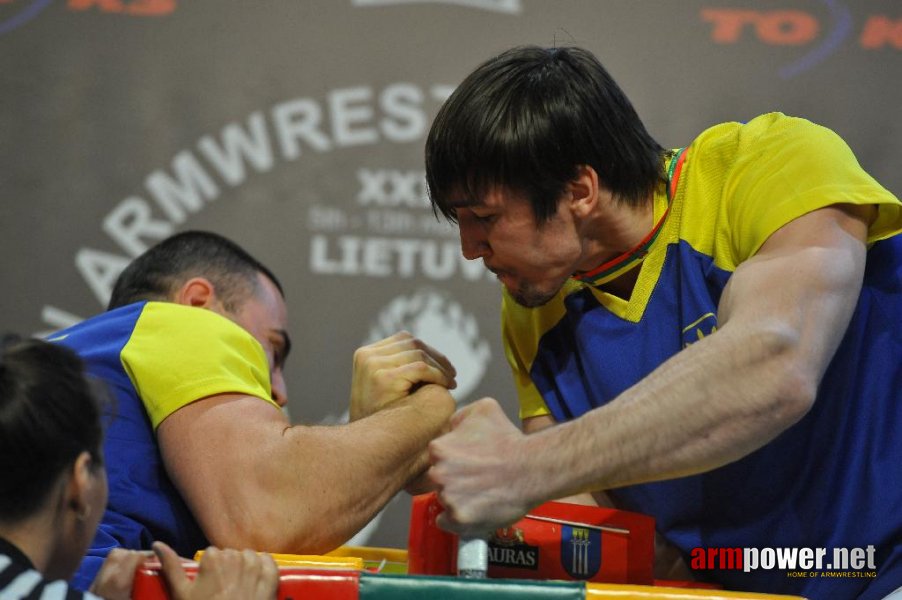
253 480
803 284
212 450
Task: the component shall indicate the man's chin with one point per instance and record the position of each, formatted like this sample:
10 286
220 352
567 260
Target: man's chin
530 298
524 293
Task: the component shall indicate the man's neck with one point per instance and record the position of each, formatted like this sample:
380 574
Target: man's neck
617 228
622 287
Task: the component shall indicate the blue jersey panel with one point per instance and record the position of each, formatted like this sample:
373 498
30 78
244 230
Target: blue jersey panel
591 355
143 503
839 465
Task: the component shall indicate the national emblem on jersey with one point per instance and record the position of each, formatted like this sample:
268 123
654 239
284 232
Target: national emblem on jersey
704 326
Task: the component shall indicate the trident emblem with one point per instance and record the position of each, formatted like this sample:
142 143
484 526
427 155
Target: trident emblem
580 551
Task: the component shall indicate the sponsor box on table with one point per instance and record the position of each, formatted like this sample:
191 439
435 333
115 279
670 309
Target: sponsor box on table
556 540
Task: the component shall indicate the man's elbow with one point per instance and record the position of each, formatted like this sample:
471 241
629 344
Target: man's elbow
792 382
797 394
795 381
286 534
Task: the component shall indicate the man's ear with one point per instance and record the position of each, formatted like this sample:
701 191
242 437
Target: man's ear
198 292
583 191
79 485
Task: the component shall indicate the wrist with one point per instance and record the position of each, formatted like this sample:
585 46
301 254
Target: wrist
532 476
543 476
434 401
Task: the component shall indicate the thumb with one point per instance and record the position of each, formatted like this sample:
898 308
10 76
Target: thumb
484 408
172 569
462 414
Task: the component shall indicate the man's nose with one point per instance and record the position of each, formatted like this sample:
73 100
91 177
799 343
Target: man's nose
473 242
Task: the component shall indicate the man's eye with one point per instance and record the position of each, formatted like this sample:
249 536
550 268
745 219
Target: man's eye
484 218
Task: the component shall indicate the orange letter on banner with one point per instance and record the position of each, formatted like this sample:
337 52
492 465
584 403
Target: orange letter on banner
151 8
728 23
787 28
104 5
881 30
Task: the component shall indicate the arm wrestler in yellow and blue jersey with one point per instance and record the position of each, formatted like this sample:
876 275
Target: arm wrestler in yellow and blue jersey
710 336
158 357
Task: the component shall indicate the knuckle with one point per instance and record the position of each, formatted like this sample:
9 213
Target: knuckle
269 564
360 356
435 448
383 379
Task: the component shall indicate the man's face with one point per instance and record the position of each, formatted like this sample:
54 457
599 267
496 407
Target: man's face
265 317
533 260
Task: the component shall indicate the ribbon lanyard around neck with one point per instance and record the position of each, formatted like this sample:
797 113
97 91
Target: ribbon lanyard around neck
617 266
673 174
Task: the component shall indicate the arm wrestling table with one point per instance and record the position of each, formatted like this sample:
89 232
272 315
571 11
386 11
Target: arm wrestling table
559 551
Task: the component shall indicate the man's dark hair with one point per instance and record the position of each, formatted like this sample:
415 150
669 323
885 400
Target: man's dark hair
526 119
157 273
49 414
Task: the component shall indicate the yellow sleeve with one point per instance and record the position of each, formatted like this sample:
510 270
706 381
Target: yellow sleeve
787 167
179 354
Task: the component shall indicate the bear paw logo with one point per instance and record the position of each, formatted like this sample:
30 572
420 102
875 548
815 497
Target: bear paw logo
440 321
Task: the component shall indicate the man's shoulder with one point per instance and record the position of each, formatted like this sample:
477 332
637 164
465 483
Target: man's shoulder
178 332
101 334
170 318
149 322
128 317
774 128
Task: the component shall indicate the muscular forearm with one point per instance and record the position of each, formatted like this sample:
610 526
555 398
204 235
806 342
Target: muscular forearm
709 405
386 452
325 483
782 317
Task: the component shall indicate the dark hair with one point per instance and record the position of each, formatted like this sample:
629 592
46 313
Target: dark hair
526 119
49 414
161 269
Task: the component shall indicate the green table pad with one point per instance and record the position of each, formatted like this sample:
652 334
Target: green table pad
418 587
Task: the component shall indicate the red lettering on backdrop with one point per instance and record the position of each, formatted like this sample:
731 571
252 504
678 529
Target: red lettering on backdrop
104 5
777 28
140 8
728 23
879 31
147 8
787 27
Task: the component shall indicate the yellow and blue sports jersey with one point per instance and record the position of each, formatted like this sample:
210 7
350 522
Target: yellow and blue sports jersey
157 357
833 479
